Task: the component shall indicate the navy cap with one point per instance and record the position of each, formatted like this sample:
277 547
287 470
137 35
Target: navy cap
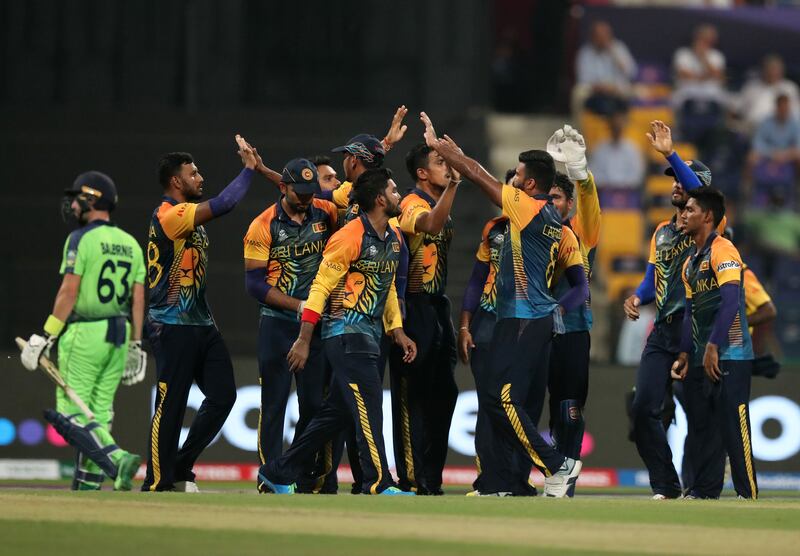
366 148
98 185
301 174
701 171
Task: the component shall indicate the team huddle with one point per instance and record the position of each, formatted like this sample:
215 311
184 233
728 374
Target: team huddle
350 276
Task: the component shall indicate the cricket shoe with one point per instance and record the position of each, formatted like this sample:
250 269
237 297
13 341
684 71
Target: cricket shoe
186 486
495 494
557 485
264 486
394 491
126 471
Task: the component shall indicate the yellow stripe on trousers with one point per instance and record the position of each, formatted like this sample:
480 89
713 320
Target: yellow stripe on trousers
505 397
260 413
367 431
405 429
748 452
162 393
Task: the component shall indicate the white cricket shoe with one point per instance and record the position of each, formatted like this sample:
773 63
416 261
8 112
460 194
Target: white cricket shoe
557 485
658 497
186 486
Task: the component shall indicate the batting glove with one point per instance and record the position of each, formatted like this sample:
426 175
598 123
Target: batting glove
136 365
34 349
568 146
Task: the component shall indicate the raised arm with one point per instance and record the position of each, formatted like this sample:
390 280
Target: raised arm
467 167
660 139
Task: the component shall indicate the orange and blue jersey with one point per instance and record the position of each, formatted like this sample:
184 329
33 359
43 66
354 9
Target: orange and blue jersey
292 251
529 256
586 226
356 282
708 269
489 250
177 261
669 249
427 267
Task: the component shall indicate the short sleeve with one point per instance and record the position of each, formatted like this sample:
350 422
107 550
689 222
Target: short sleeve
177 220
569 253
652 257
138 265
726 262
411 211
258 240
72 261
519 207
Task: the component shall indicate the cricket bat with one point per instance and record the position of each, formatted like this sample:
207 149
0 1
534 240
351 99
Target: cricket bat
52 371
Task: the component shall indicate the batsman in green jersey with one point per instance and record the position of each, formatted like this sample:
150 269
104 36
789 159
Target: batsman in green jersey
100 310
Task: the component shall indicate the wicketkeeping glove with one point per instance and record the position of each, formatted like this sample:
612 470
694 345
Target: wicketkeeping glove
568 146
136 364
34 349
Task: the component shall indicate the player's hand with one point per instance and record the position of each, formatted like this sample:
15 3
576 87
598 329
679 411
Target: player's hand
406 344
298 355
247 153
711 362
660 137
34 349
430 133
136 365
260 166
631 307
568 146
397 129
680 366
465 344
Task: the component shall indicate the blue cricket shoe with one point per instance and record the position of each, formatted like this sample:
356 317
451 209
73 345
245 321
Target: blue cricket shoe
265 486
394 491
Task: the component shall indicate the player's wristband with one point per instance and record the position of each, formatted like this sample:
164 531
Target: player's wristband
54 325
310 316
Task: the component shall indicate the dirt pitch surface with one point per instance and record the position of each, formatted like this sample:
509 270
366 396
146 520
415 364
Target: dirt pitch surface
47 521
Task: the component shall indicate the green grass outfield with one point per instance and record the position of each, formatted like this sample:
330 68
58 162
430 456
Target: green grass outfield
232 519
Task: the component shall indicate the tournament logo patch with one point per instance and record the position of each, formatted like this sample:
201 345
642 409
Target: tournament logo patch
282 235
727 265
307 174
318 227
72 256
372 251
703 266
498 239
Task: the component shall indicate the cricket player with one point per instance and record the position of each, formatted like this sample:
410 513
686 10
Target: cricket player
282 252
100 310
356 283
186 342
328 179
716 353
568 380
527 316
669 248
424 392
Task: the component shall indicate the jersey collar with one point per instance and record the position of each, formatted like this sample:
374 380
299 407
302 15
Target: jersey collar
371 231
420 193
284 216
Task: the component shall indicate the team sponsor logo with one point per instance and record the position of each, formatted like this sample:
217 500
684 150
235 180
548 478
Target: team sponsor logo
552 231
318 227
728 265
703 266
396 246
307 174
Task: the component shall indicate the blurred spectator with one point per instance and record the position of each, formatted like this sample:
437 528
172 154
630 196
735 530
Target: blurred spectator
775 157
700 96
699 69
605 69
509 74
617 162
756 102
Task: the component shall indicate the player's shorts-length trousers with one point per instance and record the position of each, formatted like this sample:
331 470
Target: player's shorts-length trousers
718 415
355 398
186 354
652 382
514 390
275 339
424 394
